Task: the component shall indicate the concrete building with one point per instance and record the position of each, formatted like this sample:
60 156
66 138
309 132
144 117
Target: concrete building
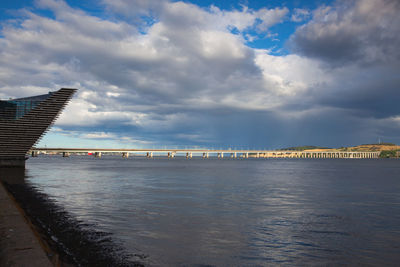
23 122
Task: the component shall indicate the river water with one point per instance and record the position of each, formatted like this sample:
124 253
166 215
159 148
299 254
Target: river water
233 212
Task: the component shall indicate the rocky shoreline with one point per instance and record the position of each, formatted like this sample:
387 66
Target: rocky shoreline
69 240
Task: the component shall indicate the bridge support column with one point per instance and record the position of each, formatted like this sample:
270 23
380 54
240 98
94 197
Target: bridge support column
65 154
125 155
34 154
97 154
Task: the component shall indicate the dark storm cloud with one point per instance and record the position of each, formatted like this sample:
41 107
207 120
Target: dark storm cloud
357 44
356 30
367 92
377 96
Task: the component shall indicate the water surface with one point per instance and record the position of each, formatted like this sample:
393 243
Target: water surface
226 212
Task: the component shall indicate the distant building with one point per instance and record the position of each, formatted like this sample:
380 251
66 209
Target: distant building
23 122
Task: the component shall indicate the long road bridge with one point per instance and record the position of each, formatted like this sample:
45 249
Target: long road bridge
206 153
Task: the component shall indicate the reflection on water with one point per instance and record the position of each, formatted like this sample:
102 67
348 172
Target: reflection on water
234 212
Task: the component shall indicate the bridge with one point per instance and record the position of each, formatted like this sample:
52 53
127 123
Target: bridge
206 153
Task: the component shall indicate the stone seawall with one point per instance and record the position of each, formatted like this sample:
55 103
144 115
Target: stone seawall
19 246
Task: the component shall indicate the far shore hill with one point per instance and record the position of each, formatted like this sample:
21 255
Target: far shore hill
360 148
386 149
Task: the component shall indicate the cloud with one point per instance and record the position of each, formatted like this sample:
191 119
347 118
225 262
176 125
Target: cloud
356 44
184 15
270 17
93 139
300 15
99 135
135 8
190 78
364 31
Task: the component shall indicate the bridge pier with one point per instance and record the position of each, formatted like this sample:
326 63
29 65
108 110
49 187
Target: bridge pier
34 154
65 154
125 155
97 154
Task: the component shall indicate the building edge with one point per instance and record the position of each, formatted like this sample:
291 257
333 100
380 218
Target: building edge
13 162
19 134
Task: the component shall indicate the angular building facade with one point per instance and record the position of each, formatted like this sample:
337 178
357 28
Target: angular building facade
23 122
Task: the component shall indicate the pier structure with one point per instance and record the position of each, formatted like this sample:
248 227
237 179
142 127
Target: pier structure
206 153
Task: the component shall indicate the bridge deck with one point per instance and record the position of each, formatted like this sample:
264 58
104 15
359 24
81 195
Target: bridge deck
219 152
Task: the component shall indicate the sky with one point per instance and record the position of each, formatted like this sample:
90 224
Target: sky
203 73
